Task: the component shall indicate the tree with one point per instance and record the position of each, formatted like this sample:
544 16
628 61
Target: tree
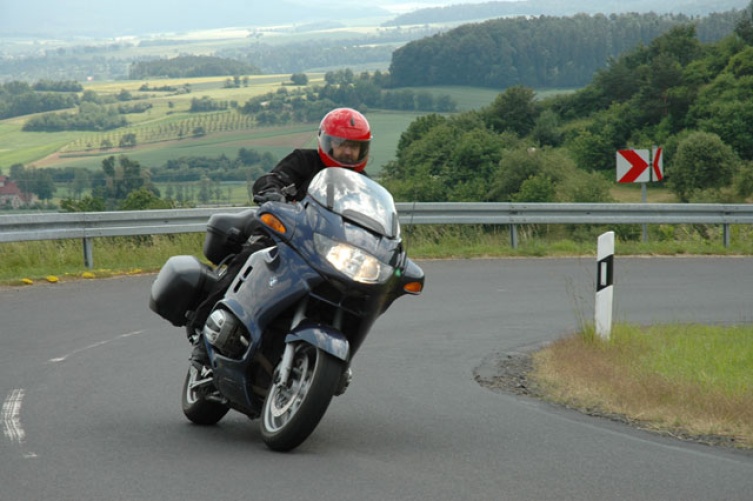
205 186
248 156
86 204
744 27
539 188
514 110
43 185
299 79
128 140
81 181
121 178
545 130
143 199
702 162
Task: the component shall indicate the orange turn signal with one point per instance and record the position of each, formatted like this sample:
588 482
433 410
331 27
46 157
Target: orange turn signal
413 287
272 222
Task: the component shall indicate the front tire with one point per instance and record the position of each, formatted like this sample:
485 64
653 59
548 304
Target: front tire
196 405
292 412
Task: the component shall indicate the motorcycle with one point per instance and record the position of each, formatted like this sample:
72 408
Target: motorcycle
281 340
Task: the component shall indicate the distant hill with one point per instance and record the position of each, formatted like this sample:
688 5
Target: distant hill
540 52
491 10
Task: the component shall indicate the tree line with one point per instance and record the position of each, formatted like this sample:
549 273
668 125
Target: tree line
94 112
542 52
124 184
342 88
20 98
528 8
189 67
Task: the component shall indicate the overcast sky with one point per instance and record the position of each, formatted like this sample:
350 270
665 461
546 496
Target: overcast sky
400 7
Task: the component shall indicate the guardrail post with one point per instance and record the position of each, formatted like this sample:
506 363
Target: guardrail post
514 236
726 232
88 253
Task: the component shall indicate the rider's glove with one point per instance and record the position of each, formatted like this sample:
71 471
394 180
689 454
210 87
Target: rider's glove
269 196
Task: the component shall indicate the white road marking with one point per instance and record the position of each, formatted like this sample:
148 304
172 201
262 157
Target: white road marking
100 343
11 416
12 419
11 413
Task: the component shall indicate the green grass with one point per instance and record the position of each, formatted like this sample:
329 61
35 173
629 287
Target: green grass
689 380
25 262
38 259
712 358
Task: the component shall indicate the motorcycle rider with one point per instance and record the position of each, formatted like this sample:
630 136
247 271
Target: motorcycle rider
344 138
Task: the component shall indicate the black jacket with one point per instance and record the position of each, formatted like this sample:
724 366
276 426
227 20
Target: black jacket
298 169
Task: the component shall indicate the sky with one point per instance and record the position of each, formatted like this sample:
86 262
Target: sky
399 7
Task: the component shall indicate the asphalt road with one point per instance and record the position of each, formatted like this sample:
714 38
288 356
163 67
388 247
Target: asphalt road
90 381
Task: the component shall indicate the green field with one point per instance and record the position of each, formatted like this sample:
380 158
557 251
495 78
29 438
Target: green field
82 149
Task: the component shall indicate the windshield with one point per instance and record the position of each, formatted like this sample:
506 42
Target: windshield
357 198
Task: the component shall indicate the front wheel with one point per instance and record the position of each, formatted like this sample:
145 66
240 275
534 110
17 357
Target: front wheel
198 405
292 411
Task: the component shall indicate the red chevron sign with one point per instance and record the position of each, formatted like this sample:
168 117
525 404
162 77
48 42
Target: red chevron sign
633 166
658 164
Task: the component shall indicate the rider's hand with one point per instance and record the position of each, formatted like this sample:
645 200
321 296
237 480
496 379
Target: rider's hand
269 196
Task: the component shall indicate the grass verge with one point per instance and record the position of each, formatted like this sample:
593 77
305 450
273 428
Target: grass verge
118 255
27 262
692 381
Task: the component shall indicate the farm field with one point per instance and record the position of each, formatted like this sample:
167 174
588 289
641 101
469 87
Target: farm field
227 130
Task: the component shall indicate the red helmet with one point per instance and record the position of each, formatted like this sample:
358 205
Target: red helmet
344 139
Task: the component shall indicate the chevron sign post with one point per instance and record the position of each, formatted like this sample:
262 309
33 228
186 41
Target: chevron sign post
640 166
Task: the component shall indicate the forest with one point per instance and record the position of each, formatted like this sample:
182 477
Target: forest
539 52
535 8
694 99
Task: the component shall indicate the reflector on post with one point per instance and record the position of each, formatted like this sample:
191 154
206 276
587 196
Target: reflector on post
604 285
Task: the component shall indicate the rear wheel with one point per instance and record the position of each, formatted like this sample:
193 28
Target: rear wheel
198 406
292 411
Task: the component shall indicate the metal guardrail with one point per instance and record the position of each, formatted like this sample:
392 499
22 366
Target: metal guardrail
89 225
42 226
567 213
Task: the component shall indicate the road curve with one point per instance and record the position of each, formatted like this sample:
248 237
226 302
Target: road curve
90 381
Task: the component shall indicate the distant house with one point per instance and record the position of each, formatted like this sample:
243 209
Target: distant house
12 196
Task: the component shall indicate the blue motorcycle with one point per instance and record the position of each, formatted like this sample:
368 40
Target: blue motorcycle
281 340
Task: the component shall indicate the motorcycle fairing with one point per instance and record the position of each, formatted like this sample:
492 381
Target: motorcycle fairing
322 336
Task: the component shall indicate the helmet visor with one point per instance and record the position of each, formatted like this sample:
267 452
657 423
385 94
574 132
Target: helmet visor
346 152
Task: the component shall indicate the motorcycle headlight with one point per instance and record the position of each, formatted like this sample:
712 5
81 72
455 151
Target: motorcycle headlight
352 261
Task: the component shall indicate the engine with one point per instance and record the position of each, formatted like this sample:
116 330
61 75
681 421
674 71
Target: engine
226 334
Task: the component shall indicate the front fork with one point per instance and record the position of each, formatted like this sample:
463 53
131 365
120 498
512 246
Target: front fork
286 366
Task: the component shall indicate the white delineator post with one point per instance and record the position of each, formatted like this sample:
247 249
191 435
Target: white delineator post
604 285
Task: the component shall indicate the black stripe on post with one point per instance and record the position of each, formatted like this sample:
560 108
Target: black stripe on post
605 273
